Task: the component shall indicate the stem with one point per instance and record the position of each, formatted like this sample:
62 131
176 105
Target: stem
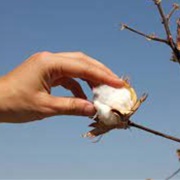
164 19
171 42
170 14
145 35
165 22
153 131
175 173
175 8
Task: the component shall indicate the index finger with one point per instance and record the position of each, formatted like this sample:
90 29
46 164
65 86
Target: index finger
80 55
78 68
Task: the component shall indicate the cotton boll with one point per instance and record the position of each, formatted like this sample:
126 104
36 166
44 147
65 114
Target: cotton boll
120 99
114 108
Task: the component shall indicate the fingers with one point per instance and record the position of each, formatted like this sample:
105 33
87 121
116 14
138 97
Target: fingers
85 69
70 106
72 85
80 55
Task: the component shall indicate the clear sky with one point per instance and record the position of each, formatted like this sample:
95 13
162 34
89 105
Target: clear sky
54 148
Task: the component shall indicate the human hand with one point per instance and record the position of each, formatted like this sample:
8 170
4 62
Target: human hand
25 92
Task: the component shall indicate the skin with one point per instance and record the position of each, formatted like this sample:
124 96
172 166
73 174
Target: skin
25 93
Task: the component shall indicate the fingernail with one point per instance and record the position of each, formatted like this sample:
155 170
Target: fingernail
89 110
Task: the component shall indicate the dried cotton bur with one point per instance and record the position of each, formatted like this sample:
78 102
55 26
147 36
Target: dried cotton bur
114 108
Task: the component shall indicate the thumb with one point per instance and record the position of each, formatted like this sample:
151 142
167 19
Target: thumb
71 106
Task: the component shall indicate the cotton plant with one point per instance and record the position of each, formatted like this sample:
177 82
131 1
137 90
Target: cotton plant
114 107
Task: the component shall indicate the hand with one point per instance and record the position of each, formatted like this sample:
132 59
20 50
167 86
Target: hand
25 92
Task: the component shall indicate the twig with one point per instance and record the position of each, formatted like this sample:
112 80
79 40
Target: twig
151 37
175 173
132 124
175 8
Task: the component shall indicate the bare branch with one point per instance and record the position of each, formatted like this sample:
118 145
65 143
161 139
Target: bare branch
148 37
175 173
169 39
175 8
132 124
165 23
175 46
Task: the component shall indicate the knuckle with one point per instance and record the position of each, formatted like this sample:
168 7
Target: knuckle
90 69
43 55
73 107
43 106
80 55
87 71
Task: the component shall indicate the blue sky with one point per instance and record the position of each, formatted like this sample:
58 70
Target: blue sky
54 148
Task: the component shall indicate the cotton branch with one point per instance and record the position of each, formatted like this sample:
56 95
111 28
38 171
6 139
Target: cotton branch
175 8
148 37
174 174
177 171
165 21
132 124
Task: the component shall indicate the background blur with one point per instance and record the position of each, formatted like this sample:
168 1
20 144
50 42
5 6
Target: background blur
54 148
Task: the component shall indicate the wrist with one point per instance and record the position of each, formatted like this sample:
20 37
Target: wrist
6 97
